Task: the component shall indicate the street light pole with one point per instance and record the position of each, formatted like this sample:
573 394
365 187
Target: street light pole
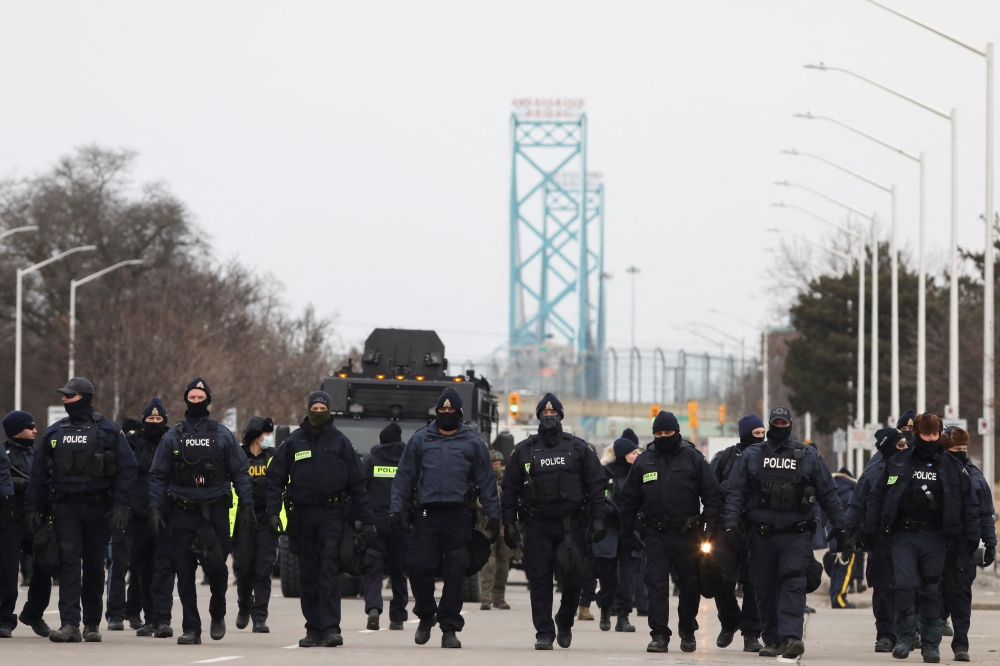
21 272
632 270
10 232
73 284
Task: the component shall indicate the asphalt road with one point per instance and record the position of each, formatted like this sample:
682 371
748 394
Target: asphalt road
832 637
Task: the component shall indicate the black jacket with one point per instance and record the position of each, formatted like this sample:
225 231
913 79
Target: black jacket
144 452
380 469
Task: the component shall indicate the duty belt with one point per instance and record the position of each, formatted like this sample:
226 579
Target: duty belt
908 525
192 505
797 528
682 525
332 502
83 498
532 512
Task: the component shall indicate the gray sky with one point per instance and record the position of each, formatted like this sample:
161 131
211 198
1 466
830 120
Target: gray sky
360 151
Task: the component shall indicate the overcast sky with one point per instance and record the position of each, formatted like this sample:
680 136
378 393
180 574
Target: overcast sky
360 151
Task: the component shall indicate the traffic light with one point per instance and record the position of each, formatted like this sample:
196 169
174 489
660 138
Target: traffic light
693 414
653 411
514 404
722 414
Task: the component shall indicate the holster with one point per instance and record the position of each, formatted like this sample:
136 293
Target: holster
205 544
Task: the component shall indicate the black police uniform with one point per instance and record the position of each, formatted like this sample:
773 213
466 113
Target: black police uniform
255 547
928 506
776 485
668 485
842 569
553 480
616 564
84 466
735 564
442 474
196 465
317 472
388 551
15 540
10 549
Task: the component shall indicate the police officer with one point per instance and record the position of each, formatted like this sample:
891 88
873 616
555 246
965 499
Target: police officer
776 484
15 540
734 562
196 464
443 466
959 603
387 552
616 565
905 424
318 468
888 442
10 548
668 484
144 439
842 564
924 499
87 469
493 577
255 545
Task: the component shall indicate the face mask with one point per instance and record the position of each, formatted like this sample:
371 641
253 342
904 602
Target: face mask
317 419
24 441
196 410
908 435
268 442
80 406
749 439
448 420
549 424
925 449
776 434
154 431
668 444
888 449
961 455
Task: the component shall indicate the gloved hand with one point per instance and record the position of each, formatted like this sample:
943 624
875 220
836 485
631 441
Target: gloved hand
736 537
20 485
597 529
711 529
156 523
989 556
33 521
493 527
369 534
119 518
511 536
839 539
247 515
397 523
274 524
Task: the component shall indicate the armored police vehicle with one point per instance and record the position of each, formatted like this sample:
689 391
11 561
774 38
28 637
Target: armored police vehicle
400 376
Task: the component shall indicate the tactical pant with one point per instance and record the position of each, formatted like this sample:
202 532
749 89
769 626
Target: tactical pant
253 577
387 554
83 534
588 591
641 590
917 565
493 577
778 574
142 554
161 589
667 552
735 569
541 538
15 540
441 536
182 527
617 576
314 534
879 575
118 565
959 604
840 579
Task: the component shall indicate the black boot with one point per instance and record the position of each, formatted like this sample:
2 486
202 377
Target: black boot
145 630
92 634
725 638
164 631
930 654
217 629
770 650
688 644
190 638
624 624
450 640
331 638
372 620
66 634
794 648
423 633
116 624
658 644
261 627
564 636
543 643
751 643
38 626
242 619
605 619
311 640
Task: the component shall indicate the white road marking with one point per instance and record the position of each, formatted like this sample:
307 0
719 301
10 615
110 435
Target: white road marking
290 647
212 661
368 631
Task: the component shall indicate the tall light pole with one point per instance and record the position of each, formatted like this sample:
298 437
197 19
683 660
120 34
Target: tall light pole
73 284
859 415
21 272
921 277
16 230
891 190
952 118
632 271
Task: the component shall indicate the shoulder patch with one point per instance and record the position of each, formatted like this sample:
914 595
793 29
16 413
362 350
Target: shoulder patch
650 476
892 480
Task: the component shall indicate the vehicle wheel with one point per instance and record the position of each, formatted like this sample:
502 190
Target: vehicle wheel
290 583
470 588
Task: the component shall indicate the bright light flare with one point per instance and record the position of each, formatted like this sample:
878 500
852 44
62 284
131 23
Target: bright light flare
706 547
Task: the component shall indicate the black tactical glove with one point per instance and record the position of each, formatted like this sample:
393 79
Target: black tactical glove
274 524
33 521
989 556
511 536
597 530
369 534
119 519
20 485
157 525
493 527
839 539
247 515
736 537
397 523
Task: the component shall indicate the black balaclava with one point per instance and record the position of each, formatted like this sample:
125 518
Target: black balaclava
318 419
81 407
154 432
749 440
925 450
668 444
774 433
197 410
549 426
448 420
961 455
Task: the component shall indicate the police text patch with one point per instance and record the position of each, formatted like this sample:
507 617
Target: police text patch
384 472
650 476
780 463
924 476
301 455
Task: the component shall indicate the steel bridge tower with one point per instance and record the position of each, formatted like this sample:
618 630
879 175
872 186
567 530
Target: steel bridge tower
556 236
